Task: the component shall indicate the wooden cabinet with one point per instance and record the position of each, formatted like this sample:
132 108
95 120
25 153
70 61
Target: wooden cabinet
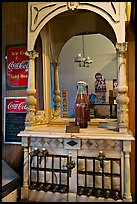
100 160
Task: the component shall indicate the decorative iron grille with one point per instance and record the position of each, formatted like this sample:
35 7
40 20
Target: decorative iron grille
96 176
99 178
49 173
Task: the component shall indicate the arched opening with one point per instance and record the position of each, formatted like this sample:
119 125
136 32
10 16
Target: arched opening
60 30
103 53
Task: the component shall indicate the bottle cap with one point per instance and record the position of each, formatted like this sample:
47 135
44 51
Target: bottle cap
81 82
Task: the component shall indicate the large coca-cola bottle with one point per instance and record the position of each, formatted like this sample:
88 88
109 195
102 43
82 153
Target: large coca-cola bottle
81 105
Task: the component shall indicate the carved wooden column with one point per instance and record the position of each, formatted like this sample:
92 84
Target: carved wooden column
127 150
31 91
122 99
56 98
24 192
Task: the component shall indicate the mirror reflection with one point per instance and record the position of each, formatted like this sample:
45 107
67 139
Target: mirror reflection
100 76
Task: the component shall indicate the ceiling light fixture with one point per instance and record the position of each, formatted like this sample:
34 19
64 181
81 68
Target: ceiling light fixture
82 60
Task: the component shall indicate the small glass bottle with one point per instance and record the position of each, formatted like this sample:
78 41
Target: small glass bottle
81 105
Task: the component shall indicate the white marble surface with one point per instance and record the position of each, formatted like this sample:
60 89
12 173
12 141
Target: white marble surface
41 196
92 132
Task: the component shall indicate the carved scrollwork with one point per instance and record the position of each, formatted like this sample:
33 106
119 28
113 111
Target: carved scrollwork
113 7
123 116
40 117
122 99
52 114
30 117
121 47
31 102
72 5
55 113
37 11
32 54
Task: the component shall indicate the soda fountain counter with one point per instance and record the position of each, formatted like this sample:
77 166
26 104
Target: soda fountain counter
89 166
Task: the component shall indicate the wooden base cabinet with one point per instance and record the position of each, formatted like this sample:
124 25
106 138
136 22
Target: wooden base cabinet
90 166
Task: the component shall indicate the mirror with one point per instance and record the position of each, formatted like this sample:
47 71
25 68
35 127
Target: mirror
103 53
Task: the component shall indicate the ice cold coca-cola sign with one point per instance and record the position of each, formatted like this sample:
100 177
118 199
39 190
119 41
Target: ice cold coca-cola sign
17 105
17 67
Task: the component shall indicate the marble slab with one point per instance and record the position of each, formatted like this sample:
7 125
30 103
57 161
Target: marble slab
55 131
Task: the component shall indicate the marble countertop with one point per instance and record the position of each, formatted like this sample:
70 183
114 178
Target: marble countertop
102 131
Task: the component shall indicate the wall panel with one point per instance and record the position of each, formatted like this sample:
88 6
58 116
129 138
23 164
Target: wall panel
130 38
14 31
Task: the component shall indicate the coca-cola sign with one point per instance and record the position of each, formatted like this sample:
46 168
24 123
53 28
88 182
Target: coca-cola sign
17 67
16 105
22 65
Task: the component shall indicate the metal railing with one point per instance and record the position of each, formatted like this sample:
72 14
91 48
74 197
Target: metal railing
48 172
100 177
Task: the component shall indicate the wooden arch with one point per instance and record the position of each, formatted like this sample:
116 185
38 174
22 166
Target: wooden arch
40 13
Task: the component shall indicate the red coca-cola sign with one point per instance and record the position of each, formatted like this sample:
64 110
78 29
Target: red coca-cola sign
16 105
17 67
